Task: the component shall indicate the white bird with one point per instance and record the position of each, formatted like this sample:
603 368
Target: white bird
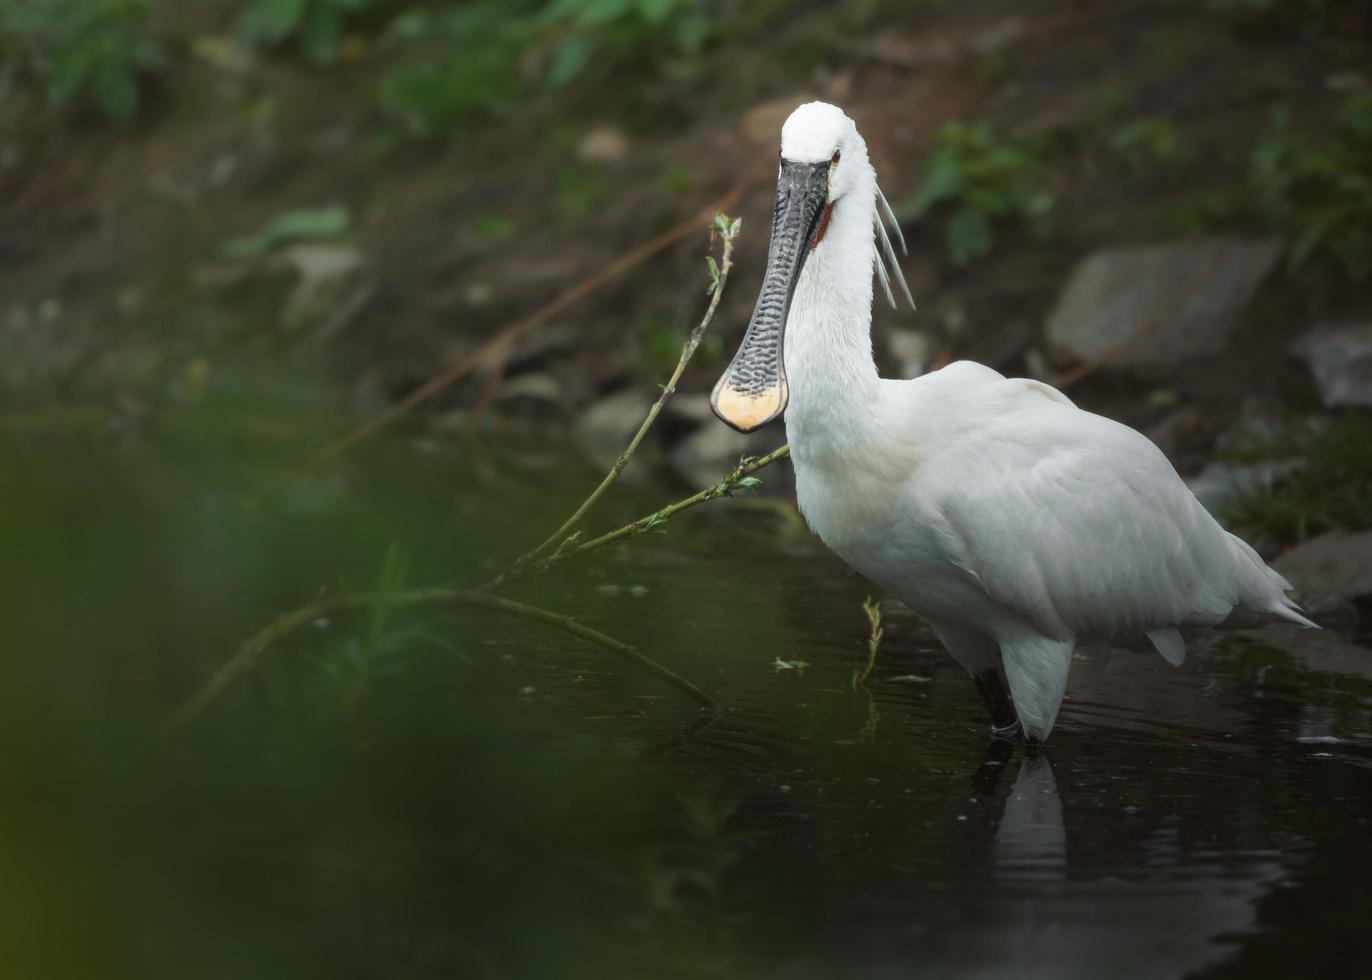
1017 525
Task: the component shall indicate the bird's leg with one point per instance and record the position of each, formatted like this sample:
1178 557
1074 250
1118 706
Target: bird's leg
1005 723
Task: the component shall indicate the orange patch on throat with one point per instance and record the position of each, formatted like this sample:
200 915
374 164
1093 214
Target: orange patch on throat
823 225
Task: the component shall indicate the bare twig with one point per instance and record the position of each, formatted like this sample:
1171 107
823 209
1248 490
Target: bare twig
734 481
728 230
256 646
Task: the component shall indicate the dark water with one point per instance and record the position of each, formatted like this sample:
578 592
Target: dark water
442 793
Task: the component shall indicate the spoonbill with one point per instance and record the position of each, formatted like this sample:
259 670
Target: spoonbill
1019 526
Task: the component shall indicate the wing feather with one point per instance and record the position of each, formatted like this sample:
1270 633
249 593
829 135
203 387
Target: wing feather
1082 526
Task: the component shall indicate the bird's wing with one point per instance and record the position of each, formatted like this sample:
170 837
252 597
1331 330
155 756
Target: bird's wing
1082 526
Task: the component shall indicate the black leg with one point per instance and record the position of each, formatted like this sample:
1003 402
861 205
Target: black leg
1005 723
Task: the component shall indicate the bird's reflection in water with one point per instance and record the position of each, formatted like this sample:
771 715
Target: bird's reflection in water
1053 924
1031 842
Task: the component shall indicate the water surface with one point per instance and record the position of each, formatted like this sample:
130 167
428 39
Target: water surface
439 792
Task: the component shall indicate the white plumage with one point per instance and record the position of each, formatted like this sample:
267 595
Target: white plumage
1019 526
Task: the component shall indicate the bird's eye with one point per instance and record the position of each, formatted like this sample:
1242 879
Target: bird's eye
833 161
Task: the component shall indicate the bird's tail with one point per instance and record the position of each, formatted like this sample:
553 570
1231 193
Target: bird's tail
1269 594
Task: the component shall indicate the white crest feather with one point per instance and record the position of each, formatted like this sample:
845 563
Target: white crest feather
888 252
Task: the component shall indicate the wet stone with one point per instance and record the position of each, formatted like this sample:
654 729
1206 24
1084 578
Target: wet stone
536 395
1158 305
1329 570
1340 357
1219 481
605 428
709 453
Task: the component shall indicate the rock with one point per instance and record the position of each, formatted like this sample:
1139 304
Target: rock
543 346
604 144
1322 651
1340 357
1219 481
689 408
1160 304
1329 570
537 395
714 449
1169 433
323 274
605 428
911 350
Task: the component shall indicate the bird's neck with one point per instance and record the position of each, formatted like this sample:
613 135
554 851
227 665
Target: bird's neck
828 348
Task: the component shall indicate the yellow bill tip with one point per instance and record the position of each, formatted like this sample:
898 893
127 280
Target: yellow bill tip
746 411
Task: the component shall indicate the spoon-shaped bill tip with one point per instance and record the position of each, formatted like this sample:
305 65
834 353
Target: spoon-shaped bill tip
747 410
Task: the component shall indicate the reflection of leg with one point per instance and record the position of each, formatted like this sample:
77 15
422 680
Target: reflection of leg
1031 839
992 767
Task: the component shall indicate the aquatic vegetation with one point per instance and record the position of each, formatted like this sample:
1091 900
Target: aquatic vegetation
982 182
871 608
79 53
377 649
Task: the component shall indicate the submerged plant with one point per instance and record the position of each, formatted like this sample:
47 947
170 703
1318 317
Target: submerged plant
376 650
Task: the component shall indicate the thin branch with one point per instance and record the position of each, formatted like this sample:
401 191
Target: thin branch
256 646
494 349
728 230
648 522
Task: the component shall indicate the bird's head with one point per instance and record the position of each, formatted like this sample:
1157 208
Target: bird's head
823 161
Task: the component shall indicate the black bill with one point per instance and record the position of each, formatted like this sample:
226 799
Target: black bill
753 390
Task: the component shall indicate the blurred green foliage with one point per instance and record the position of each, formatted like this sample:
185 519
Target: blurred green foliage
1332 490
444 65
303 224
494 226
78 52
658 348
455 65
315 26
579 190
1319 195
1149 140
980 182
451 66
